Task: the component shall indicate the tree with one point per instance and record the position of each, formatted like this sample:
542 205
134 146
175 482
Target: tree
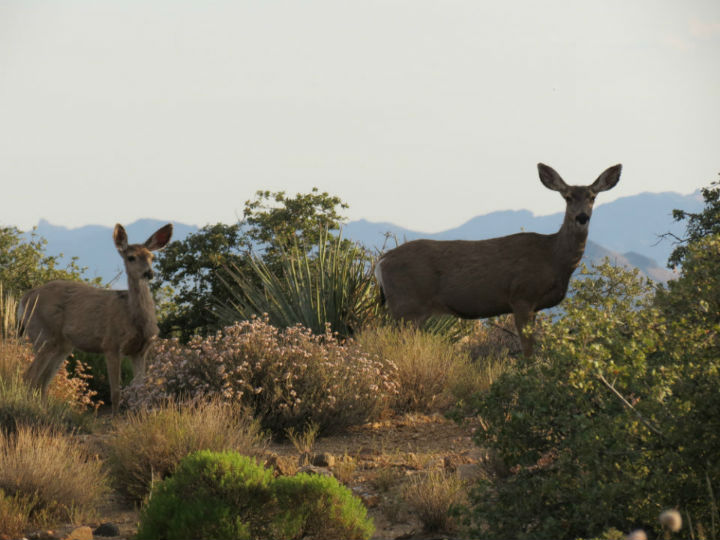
24 263
275 222
699 225
192 270
190 277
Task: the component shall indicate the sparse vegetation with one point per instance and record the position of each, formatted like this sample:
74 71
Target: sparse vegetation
48 477
425 363
145 446
433 496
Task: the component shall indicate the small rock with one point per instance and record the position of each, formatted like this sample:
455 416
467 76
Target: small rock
312 469
81 533
637 534
324 459
44 535
107 529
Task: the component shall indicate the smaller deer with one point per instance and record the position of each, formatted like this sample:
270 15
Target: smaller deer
519 274
60 315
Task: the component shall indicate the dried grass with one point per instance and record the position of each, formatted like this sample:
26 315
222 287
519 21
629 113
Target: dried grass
147 445
54 472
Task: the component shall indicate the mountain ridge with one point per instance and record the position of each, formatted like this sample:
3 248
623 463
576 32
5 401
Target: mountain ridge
625 230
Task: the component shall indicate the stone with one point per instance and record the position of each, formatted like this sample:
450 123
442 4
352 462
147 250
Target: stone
324 459
81 533
107 529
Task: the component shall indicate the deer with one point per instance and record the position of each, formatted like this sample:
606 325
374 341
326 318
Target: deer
520 273
61 315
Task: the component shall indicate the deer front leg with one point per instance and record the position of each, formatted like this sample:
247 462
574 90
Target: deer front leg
114 363
524 316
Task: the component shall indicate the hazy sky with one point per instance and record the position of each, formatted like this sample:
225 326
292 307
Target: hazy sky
421 113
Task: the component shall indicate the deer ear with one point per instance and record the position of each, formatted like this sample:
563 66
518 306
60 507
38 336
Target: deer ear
120 238
550 178
607 179
160 238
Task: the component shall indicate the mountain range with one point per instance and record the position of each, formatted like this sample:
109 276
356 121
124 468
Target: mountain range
627 231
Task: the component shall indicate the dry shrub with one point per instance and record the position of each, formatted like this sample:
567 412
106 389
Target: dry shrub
425 362
14 514
147 445
433 496
51 475
491 339
288 378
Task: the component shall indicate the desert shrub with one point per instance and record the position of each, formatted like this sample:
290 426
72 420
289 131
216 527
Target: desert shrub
227 495
612 419
146 445
50 475
288 378
14 514
330 284
425 363
433 497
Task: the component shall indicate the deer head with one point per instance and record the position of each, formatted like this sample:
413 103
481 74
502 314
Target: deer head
138 257
579 199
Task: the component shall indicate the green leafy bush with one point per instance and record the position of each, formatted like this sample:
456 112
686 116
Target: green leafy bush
146 446
615 417
287 378
230 496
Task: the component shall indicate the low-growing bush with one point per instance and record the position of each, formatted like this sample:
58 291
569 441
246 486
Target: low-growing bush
433 497
146 445
14 514
288 378
425 363
230 496
48 477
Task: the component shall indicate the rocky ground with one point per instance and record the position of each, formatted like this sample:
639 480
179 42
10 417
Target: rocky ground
374 460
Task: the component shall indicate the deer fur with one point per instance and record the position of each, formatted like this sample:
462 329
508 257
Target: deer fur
61 315
519 274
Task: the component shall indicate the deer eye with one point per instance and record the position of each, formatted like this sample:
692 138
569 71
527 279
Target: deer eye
131 258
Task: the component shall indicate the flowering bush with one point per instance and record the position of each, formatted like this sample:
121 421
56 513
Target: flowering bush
288 377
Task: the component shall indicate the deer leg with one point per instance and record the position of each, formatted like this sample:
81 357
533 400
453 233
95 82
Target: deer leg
138 362
524 318
48 360
114 363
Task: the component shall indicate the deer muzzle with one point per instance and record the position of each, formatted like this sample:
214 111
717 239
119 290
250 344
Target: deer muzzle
148 274
582 219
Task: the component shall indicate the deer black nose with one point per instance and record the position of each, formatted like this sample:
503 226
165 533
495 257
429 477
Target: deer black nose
582 219
148 274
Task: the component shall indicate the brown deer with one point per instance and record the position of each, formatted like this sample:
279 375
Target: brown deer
519 274
61 315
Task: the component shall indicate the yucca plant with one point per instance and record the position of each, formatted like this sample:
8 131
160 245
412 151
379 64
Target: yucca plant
329 284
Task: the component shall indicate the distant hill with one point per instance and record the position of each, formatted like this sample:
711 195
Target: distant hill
626 230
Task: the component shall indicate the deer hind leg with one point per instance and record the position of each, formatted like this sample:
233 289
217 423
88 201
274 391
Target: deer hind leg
114 365
49 357
524 320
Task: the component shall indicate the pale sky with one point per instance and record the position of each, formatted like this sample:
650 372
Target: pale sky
421 113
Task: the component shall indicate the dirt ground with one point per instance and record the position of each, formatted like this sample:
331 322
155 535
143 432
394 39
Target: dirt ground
373 460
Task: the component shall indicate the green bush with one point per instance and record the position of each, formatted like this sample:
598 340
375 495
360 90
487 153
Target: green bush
230 496
615 417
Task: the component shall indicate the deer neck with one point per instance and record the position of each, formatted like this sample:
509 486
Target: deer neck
569 247
142 307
